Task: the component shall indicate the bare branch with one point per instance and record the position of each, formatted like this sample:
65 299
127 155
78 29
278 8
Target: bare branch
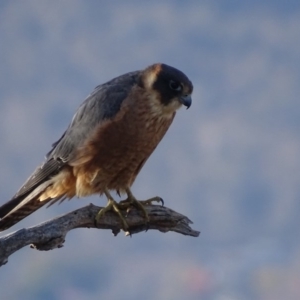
51 234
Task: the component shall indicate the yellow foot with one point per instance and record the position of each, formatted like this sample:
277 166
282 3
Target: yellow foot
112 205
140 204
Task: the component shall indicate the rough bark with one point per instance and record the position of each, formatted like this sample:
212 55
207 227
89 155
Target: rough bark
51 234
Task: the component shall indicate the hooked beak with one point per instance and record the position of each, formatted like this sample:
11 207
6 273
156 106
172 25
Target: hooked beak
186 100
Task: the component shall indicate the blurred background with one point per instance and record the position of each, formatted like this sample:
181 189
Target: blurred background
230 163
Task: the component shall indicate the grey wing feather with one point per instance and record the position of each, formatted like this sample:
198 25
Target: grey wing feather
103 103
42 173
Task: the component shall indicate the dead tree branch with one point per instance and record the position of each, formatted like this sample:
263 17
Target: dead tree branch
51 234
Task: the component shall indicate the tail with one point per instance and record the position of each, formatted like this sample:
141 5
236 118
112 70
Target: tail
16 215
22 206
27 199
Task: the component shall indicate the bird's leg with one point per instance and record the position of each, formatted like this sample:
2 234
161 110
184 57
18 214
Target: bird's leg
140 203
112 205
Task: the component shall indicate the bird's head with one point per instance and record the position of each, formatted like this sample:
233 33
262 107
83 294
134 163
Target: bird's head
171 88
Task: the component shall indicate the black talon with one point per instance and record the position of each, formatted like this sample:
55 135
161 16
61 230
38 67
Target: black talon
162 201
147 226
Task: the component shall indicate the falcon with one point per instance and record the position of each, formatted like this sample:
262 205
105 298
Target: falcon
108 141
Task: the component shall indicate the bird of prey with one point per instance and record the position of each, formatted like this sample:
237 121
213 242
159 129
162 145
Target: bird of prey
108 141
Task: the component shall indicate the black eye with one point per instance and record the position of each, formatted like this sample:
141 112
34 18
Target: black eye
175 85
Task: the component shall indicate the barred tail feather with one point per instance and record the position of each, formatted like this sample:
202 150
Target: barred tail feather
17 215
22 206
